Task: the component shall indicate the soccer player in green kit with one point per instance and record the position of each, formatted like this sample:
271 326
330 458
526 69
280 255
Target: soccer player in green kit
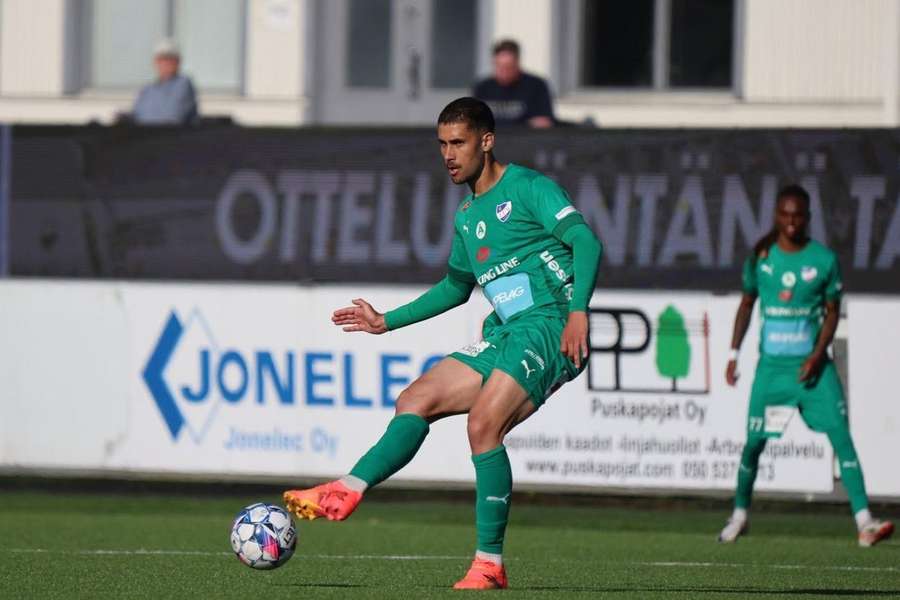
517 236
798 282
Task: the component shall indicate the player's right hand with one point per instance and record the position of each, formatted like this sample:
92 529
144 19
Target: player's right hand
731 373
359 317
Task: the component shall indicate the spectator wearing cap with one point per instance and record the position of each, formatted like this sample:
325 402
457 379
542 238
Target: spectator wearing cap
170 100
515 97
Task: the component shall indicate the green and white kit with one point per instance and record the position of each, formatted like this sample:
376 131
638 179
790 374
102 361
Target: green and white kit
516 241
536 259
793 289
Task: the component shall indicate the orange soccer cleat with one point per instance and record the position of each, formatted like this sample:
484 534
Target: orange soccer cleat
483 575
876 531
332 500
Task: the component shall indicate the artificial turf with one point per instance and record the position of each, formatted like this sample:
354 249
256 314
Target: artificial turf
156 546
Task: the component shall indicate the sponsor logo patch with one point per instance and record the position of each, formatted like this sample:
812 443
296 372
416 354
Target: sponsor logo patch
553 265
777 419
787 311
480 230
787 337
767 269
498 270
537 358
789 280
475 349
508 296
504 209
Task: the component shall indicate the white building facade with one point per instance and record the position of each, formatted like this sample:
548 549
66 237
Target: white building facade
635 63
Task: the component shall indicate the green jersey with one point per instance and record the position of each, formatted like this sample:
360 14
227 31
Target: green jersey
792 288
508 241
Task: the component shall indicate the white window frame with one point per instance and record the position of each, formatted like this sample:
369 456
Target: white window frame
570 32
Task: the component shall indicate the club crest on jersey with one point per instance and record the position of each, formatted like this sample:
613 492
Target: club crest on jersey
504 209
480 230
789 280
808 273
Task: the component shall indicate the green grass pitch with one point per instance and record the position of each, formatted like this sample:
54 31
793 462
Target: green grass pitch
157 546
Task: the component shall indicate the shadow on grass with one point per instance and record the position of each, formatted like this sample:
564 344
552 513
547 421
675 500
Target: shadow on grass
321 585
789 593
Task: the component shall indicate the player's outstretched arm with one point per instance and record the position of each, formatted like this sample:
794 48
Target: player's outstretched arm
360 317
449 292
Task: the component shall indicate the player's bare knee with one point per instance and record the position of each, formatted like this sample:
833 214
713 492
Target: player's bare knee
417 400
484 433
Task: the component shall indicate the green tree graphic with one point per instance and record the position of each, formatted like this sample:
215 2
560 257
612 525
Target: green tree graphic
673 351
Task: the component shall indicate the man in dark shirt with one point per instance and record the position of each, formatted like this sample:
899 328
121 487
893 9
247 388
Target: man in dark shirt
515 97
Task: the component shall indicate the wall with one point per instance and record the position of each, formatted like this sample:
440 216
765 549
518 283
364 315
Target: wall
803 63
32 39
809 50
40 61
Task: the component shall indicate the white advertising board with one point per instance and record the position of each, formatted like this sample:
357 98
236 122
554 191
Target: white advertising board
258 380
874 402
654 409
255 380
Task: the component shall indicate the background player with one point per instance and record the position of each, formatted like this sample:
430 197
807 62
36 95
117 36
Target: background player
518 236
798 282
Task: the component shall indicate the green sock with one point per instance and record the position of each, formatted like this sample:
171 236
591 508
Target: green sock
493 488
747 471
851 473
400 442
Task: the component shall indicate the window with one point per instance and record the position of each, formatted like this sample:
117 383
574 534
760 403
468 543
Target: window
121 36
454 26
700 43
369 43
660 44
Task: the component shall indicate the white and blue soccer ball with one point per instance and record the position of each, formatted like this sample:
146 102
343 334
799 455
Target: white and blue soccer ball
263 536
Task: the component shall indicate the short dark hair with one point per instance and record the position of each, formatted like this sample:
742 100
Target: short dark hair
507 45
794 190
472 111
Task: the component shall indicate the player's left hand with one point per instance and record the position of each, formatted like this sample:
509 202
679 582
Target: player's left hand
574 338
811 366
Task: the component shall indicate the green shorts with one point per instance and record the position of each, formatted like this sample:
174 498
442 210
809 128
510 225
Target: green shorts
526 349
776 392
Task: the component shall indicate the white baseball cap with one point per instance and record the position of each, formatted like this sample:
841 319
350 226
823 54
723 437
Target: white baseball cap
167 47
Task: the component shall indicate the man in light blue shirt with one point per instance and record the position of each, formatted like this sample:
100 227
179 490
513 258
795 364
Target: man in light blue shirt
170 100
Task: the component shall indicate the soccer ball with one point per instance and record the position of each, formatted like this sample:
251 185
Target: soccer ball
263 536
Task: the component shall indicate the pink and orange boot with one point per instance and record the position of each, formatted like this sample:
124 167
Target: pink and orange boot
483 575
332 500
